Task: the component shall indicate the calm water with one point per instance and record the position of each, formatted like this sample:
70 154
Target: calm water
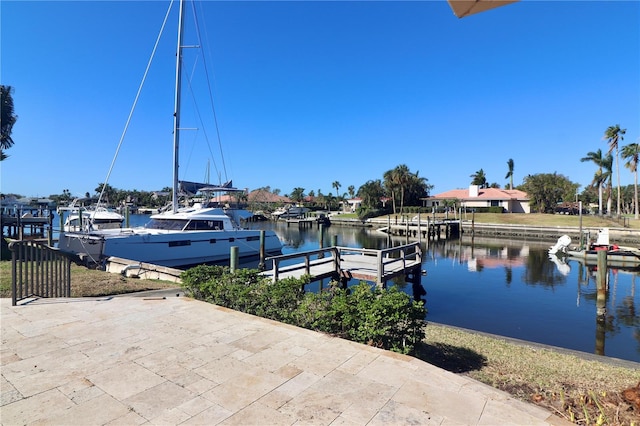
504 287
508 288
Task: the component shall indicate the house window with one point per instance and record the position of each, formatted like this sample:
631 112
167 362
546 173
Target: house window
495 203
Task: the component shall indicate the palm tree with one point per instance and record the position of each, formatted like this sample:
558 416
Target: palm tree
479 178
371 192
510 173
390 186
7 119
337 186
613 135
352 191
297 195
607 176
630 153
598 160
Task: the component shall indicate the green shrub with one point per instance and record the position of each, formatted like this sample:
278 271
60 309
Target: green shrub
385 318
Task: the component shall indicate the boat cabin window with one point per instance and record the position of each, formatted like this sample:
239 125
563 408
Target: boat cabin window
167 224
205 225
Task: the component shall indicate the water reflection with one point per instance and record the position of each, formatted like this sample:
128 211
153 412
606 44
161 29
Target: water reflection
507 287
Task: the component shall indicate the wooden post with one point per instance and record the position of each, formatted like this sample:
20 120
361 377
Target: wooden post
407 232
233 259
321 240
601 283
601 297
473 222
126 217
261 263
50 228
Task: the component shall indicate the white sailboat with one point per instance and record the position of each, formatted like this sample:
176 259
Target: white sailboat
178 237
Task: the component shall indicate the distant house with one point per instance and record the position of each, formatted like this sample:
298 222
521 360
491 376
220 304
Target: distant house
352 204
511 200
262 196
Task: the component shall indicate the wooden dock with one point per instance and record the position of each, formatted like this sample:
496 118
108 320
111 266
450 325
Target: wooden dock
27 226
302 222
345 263
433 230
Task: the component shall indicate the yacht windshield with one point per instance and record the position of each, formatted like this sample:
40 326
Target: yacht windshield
167 224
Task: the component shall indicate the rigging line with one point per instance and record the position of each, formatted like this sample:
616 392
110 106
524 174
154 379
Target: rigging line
135 101
213 108
204 129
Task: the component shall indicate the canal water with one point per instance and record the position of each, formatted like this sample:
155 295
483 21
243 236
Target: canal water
508 288
504 287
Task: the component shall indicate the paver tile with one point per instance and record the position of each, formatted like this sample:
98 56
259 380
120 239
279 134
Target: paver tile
130 361
155 401
95 411
267 416
125 379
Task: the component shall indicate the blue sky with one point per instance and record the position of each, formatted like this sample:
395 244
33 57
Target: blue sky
308 93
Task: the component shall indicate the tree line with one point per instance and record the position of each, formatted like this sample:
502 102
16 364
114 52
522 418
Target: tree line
400 187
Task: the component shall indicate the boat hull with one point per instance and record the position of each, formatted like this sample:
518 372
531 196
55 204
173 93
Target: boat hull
615 258
165 248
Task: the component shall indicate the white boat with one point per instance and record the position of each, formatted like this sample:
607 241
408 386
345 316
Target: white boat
290 212
617 256
178 237
87 218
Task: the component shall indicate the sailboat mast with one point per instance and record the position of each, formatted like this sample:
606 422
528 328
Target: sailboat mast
176 111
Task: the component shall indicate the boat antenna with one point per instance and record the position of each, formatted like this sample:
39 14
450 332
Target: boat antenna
176 111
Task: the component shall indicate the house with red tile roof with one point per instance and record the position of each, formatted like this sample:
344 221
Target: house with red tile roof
511 200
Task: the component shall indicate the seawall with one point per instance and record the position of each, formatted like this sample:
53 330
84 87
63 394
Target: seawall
626 236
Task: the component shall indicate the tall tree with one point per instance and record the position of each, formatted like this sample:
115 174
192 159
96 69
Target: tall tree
297 195
7 120
337 186
630 153
600 178
613 135
510 173
352 191
396 180
371 193
546 190
417 188
479 178
390 186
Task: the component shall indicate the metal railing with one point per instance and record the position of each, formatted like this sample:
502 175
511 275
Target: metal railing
38 270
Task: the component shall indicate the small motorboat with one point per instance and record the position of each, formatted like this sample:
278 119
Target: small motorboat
619 256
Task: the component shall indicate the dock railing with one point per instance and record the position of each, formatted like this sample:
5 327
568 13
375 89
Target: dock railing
311 258
369 264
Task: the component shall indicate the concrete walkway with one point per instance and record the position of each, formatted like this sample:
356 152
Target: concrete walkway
175 360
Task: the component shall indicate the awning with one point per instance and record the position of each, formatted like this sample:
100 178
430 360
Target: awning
462 8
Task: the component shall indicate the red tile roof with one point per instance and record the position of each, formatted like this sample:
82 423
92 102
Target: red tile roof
263 196
484 194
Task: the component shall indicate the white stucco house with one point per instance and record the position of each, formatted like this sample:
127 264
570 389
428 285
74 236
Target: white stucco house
511 200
